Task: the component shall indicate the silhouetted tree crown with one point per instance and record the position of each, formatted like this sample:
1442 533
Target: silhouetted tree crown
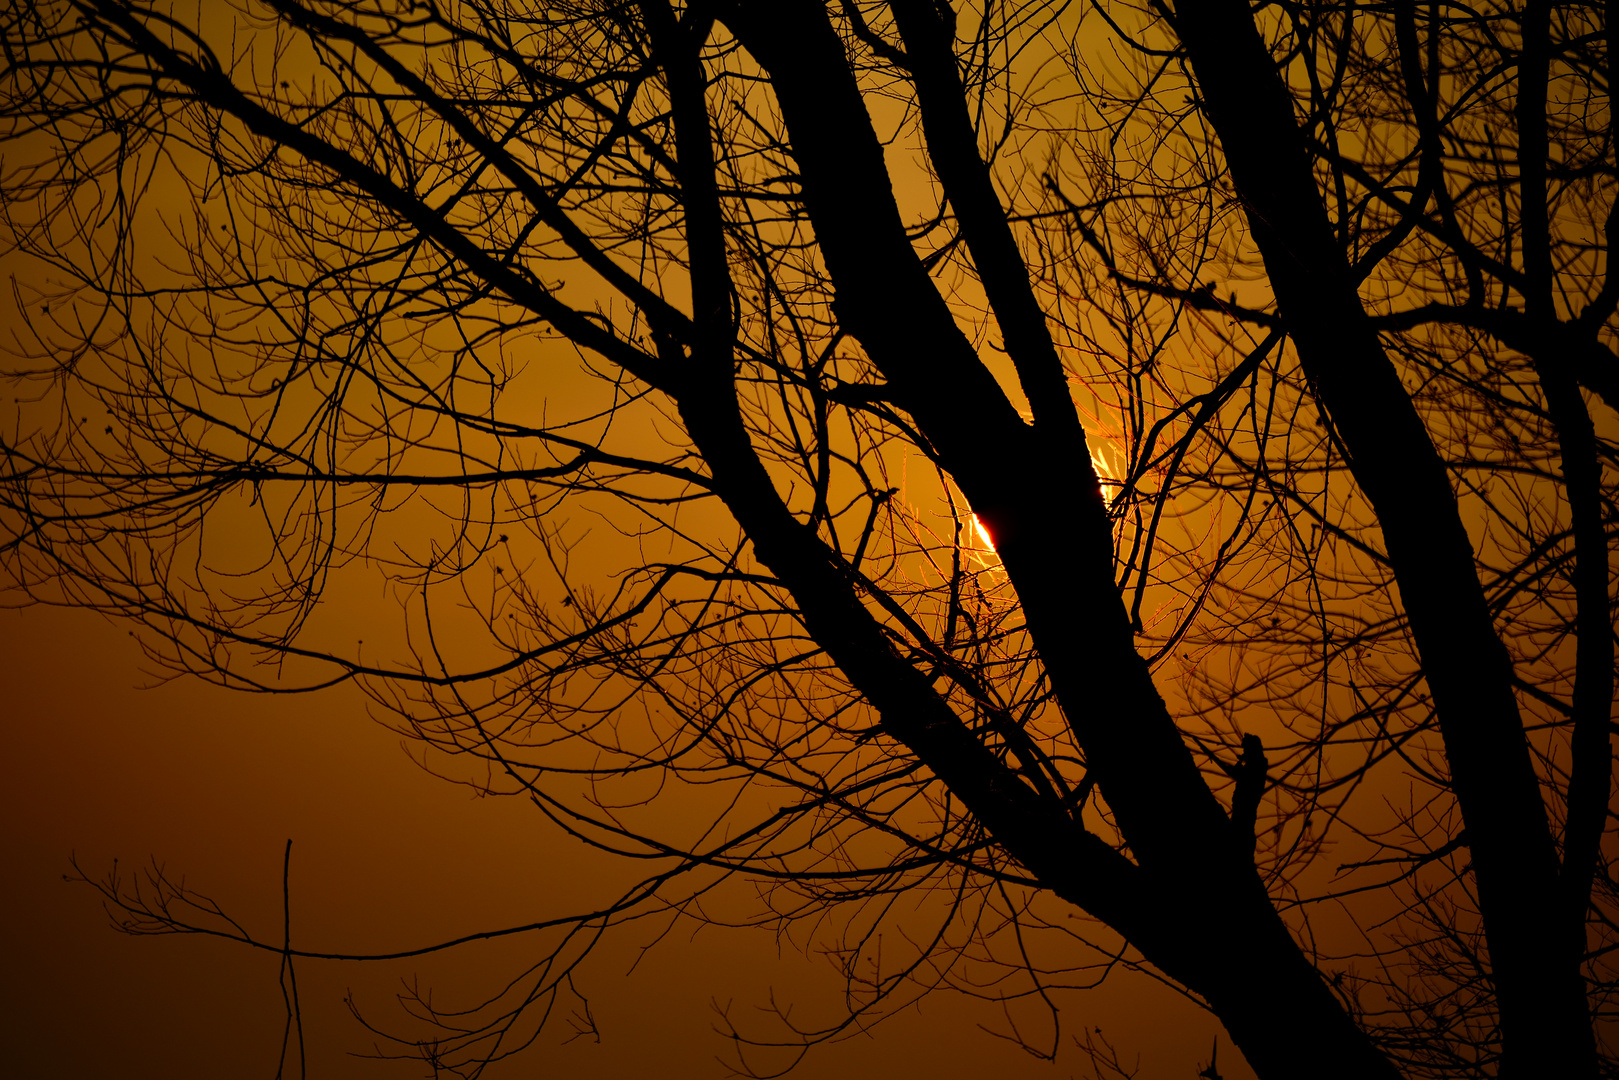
1153 463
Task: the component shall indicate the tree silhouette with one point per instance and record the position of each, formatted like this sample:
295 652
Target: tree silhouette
1148 463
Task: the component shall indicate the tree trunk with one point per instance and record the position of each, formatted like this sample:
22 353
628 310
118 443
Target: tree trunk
1545 1027
1228 943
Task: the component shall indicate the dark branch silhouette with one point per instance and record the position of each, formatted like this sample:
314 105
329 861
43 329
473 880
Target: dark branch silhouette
1147 463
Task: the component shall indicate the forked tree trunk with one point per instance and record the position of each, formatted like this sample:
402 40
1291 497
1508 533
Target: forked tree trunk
1210 923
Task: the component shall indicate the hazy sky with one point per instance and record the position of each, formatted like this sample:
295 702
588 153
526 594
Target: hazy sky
213 783
105 760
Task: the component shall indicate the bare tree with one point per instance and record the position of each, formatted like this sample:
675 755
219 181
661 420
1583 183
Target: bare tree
1143 462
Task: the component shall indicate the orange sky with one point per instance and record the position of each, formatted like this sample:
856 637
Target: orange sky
103 761
213 783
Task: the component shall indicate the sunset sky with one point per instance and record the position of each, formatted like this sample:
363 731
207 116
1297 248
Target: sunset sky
101 764
884 531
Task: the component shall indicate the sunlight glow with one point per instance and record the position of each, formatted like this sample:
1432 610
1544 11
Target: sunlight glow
983 533
1110 487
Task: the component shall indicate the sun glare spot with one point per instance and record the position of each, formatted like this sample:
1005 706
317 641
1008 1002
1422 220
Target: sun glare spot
1110 487
983 532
